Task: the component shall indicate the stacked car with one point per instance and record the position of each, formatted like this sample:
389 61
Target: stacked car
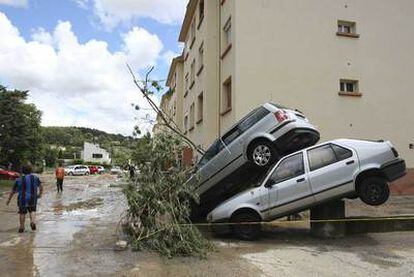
267 166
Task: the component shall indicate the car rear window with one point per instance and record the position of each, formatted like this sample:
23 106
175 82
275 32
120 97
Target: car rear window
252 118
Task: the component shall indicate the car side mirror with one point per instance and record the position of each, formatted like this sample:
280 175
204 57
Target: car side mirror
269 183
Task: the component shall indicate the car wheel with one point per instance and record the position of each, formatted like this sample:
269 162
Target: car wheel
246 231
86 173
374 191
70 173
263 154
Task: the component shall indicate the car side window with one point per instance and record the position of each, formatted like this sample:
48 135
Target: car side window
341 152
231 135
321 156
210 153
289 168
253 118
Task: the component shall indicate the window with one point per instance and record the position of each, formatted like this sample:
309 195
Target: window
192 73
210 153
289 168
341 152
192 116
347 28
200 107
226 96
185 123
201 11
231 135
200 58
321 156
227 33
193 33
97 156
348 86
253 118
186 81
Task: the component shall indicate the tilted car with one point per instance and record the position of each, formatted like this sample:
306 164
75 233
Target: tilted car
257 141
328 171
77 170
101 169
8 174
93 169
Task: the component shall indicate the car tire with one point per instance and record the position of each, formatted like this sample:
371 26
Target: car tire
246 231
262 154
70 173
86 173
374 191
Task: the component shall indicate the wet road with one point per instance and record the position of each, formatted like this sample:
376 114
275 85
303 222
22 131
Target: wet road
77 233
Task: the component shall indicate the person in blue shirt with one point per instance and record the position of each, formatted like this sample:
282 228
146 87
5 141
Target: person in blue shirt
29 189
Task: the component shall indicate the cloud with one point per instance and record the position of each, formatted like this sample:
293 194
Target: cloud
73 83
15 3
113 12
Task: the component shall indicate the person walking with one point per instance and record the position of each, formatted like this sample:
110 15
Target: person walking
60 175
29 189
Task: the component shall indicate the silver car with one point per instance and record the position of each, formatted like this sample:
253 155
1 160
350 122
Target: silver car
258 140
77 170
331 170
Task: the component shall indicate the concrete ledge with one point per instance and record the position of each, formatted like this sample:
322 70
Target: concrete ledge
379 225
328 211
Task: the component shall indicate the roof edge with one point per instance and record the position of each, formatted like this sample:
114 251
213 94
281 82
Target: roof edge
191 8
178 59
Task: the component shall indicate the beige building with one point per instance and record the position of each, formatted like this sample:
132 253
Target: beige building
347 64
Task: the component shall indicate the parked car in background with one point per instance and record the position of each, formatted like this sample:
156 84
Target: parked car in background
77 170
255 142
116 170
101 169
93 169
8 174
321 173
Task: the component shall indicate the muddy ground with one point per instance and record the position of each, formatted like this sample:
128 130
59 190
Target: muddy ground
77 232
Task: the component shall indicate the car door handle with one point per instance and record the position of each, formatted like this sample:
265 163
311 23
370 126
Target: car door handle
350 162
300 180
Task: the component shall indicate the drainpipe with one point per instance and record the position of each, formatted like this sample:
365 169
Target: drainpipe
219 68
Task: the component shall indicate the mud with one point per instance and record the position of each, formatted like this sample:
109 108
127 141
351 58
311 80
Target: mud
77 232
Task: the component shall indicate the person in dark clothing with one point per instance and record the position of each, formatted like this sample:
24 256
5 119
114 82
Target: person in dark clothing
29 189
131 171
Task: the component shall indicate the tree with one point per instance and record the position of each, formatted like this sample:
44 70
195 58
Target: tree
20 132
159 200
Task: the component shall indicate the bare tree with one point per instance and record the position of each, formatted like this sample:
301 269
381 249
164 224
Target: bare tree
167 120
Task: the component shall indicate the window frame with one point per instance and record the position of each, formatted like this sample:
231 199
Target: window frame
330 146
227 90
303 172
200 108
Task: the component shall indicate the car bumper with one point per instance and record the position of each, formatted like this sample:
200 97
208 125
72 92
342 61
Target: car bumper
394 170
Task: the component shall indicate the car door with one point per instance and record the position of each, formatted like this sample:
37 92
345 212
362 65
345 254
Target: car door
206 168
76 170
288 187
331 170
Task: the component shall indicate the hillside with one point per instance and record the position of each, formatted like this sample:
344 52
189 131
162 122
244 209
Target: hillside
75 136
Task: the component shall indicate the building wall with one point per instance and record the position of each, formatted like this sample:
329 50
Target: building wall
204 129
89 149
287 51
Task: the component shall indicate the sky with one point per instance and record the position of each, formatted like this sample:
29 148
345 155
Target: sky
71 55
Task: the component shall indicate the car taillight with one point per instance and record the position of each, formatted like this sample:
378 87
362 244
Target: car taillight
395 152
281 115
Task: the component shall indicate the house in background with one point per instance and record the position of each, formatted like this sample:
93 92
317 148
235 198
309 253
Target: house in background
94 154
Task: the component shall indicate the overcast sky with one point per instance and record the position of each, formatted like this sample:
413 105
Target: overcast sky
71 55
